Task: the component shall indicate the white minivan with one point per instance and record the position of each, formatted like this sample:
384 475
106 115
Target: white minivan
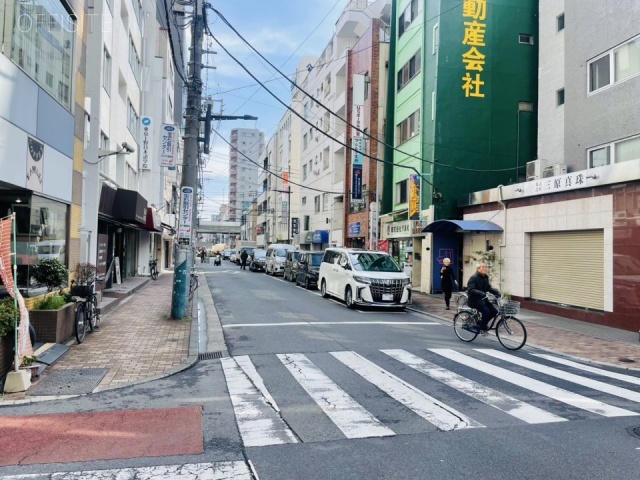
363 277
276 255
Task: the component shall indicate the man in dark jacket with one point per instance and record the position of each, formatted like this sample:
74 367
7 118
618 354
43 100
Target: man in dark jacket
477 288
243 258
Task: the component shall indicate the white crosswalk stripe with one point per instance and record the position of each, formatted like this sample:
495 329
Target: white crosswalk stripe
258 422
442 416
512 406
569 377
190 471
537 386
598 371
348 415
299 382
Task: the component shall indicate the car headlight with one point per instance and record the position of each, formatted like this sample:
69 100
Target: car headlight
360 279
406 282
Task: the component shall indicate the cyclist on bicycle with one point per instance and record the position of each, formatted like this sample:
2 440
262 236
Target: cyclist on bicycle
477 288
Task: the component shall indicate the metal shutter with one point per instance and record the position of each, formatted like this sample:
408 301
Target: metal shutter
568 268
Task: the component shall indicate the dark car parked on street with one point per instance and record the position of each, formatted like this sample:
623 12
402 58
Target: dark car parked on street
308 268
291 265
257 260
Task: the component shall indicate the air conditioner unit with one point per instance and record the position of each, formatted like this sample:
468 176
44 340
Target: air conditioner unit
534 170
554 171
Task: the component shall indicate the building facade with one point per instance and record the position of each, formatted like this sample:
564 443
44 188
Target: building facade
245 154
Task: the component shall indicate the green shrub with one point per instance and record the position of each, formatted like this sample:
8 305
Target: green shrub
8 314
52 302
50 272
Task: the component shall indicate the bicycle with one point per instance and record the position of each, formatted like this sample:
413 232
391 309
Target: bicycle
510 331
193 285
462 300
153 269
87 312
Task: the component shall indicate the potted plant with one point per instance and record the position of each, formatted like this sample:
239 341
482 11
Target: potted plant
29 363
52 317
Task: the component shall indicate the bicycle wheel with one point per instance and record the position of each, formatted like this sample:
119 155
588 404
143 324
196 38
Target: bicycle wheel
511 333
154 274
93 316
461 323
80 327
462 300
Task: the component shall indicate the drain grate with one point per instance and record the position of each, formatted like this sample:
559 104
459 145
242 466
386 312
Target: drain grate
634 431
626 360
209 355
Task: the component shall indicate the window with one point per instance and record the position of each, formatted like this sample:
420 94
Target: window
436 38
40 37
325 159
409 70
134 60
106 71
615 152
560 97
408 16
325 202
131 177
316 202
104 145
409 127
304 172
134 120
401 192
304 200
615 66
306 223
525 39
305 142
560 22
599 73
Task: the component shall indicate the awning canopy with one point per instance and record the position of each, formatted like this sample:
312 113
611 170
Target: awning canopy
456 226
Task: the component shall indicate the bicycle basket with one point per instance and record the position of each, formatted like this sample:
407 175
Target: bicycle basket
81 291
508 307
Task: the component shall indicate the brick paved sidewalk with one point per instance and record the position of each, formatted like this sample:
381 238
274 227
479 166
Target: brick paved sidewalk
137 339
568 337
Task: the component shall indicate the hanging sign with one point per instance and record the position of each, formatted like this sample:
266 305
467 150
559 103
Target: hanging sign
168 146
186 215
145 143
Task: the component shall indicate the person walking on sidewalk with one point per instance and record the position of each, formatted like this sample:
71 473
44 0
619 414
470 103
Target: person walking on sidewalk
477 288
243 259
447 280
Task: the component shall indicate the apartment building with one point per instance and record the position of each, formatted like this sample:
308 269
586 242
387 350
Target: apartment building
42 130
568 237
245 154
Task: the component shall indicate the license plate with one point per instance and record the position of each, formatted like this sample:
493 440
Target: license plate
387 297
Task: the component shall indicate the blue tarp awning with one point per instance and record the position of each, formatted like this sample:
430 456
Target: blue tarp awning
457 226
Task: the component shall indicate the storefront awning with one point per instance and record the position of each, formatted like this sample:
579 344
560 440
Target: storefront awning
457 226
154 222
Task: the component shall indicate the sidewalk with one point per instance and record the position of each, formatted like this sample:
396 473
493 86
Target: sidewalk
558 334
138 342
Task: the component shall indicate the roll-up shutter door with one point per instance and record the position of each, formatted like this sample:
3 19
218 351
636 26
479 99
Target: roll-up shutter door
568 268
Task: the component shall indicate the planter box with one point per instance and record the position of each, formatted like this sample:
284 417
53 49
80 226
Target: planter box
6 353
53 326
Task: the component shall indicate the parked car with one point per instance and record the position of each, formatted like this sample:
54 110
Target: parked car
363 277
276 255
291 265
258 260
308 269
226 254
232 256
249 252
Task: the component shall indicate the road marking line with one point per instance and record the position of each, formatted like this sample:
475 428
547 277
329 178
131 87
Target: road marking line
559 394
569 377
297 324
598 371
190 471
258 423
512 406
348 415
432 410
244 362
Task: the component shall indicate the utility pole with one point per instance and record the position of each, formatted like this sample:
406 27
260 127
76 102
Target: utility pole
190 159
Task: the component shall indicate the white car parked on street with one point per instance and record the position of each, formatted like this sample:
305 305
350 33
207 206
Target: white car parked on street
363 277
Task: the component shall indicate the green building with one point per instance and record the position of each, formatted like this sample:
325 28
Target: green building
461 116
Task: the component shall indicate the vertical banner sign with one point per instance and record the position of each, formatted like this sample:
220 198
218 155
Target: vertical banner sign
24 341
357 138
35 164
146 154
285 179
101 262
168 145
295 225
414 197
186 216
475 30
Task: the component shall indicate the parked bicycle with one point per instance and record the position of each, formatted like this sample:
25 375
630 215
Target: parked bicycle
510 331
153 269
193 285
87 312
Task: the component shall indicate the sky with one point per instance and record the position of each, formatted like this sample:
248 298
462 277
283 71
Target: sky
283 31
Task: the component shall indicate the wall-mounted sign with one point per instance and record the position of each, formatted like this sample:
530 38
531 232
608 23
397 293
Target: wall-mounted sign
354 229
168 146
35 165
414 197
405 228
145 143
186 215
570 181
475 30
295 225
357 137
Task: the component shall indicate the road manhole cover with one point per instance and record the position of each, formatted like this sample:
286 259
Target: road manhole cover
626 360
69 382
634 431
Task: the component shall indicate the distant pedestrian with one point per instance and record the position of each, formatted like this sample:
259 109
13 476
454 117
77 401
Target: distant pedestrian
243 259
447 280
203 254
